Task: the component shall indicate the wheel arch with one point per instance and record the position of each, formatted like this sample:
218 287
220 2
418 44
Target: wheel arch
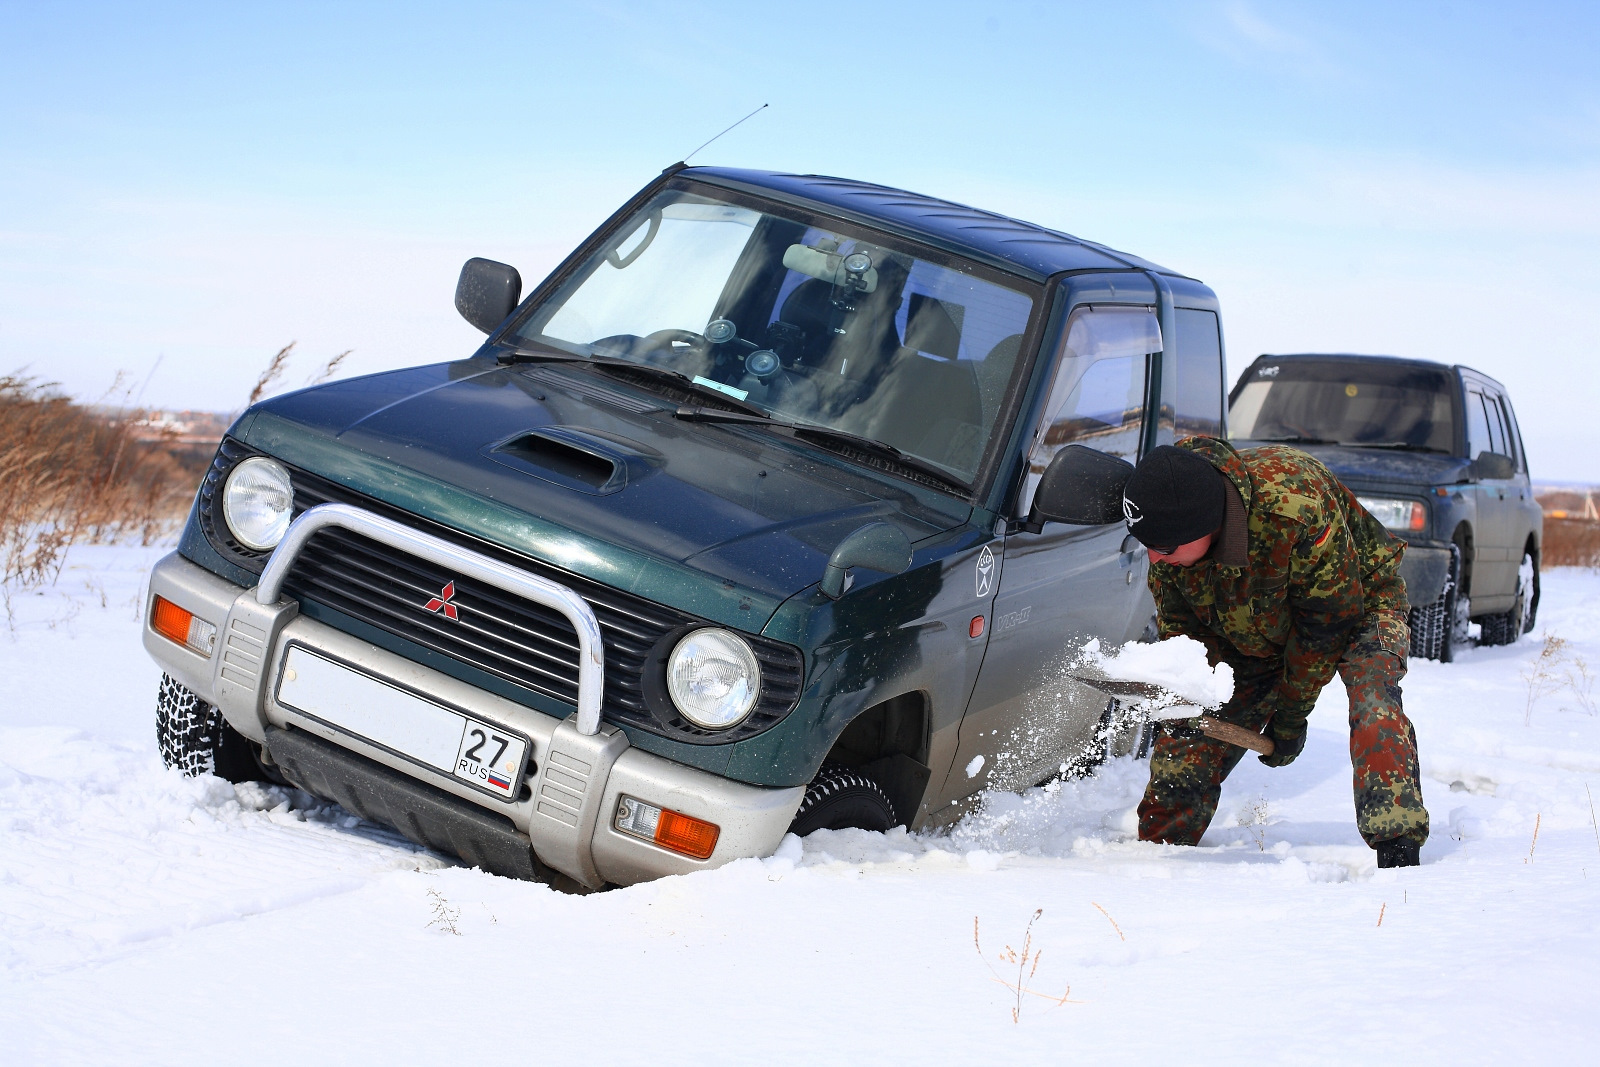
889 743
1462 538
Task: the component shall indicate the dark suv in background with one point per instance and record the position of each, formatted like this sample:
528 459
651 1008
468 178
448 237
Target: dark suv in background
1435 454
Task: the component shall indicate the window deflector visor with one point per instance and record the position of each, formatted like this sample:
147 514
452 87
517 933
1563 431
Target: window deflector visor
1097 397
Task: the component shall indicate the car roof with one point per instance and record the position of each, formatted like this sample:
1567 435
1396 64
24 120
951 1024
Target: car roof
1011 244
1380 359
1354 356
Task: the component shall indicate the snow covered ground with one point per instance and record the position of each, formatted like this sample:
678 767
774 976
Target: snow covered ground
145 918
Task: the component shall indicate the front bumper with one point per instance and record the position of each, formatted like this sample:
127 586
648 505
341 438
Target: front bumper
562 814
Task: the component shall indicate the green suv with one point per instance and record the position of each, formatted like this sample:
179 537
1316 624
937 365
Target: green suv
779 505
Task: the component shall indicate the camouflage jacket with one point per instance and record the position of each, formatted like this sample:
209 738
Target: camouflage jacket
1313 565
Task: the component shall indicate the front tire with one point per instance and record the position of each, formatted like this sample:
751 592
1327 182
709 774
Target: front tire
1433 626
839 798
195 739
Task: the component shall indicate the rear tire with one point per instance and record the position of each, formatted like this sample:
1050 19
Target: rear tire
195 739
1506 627
839 798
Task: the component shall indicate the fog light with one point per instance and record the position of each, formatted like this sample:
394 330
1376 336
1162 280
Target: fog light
672 830
184 627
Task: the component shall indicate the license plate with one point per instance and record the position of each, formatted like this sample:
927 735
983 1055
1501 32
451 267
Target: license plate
482 753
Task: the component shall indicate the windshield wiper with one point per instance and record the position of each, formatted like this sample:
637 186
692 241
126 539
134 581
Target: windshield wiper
756 415
1296 439
1398 446
880 449
665 375
883 450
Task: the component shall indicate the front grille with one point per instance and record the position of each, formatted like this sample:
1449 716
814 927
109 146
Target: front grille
526 644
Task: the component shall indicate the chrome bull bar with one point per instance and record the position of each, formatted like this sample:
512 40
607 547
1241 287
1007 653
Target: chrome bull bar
591 650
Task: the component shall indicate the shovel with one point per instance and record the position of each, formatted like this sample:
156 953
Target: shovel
1159 703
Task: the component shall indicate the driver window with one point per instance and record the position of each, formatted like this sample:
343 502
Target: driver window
1098 397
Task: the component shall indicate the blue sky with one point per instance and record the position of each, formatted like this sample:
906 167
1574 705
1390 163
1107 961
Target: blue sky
202 184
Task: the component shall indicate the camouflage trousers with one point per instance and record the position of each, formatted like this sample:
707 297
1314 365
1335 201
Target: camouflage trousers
1186 772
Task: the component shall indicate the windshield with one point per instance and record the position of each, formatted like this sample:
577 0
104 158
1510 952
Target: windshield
802 319
1345 402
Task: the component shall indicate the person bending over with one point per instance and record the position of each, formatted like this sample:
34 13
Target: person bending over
1266 559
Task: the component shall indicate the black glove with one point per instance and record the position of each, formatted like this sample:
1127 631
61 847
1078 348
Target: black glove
1287 728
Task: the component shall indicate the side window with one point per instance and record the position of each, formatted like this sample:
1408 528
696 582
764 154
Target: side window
1478 440
1191 391
1497 425
1097 398
1513 434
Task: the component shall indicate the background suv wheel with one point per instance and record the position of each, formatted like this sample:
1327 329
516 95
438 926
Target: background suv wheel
1433 626
1506 627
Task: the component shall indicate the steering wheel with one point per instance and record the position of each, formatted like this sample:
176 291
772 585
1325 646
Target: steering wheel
667 338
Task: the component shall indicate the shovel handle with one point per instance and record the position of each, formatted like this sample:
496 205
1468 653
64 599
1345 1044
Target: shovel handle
1235 735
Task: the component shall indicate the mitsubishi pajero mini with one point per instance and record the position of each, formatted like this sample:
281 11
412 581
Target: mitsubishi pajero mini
777 506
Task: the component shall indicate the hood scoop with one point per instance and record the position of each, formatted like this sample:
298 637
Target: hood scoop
588 461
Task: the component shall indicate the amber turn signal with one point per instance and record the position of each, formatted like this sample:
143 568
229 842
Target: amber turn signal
672 830
183 627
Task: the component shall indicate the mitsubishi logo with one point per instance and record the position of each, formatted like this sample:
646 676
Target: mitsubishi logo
442 602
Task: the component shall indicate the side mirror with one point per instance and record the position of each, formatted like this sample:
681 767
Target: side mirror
1493 465
487 292
879 545
1081 487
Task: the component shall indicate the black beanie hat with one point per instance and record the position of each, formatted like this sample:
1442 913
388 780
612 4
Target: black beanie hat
1174 496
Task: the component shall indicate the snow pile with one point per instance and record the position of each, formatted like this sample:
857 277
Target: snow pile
147 918
1177 665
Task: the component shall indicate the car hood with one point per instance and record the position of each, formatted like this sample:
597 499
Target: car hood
1383 466
592 474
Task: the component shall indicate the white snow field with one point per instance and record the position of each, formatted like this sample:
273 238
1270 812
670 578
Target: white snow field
145 918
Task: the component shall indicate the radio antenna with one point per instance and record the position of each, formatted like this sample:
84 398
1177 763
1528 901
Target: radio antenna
729 129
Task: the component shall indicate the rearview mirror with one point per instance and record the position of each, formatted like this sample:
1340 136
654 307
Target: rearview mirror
1494 466
1081 487
487 292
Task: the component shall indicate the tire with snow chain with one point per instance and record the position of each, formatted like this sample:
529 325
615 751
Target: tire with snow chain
839 798
195 739
1433 626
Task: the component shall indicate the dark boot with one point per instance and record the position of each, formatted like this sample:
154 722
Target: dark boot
1400 852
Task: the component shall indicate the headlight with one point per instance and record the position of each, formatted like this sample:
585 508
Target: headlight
1408 515
713 678
257 503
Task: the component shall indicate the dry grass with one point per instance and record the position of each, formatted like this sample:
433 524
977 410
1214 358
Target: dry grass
75 474
1547 674
445 914
1571 543
1027 964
